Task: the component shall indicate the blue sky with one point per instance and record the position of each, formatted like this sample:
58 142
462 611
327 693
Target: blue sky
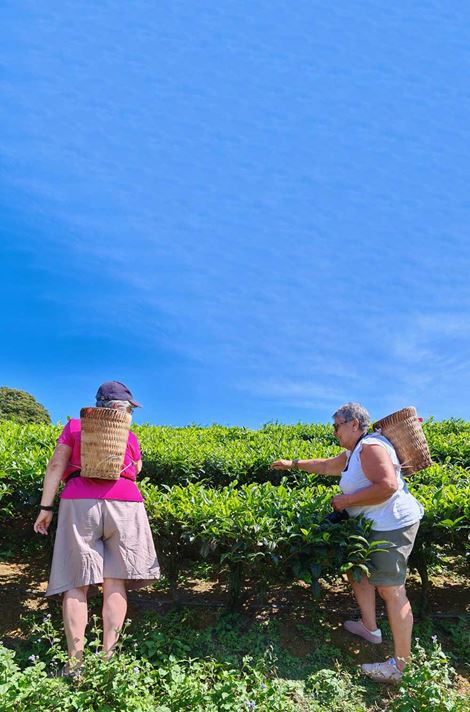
245 211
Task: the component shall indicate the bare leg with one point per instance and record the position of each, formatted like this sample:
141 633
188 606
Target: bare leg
114 612
364 593
400 617
75 614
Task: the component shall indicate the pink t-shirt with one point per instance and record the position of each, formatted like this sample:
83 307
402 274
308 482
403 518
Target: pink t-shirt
85 488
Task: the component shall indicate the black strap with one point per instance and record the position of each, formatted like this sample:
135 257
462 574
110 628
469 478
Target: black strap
364 435
77 473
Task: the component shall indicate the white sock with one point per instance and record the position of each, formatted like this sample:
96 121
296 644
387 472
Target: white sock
374 632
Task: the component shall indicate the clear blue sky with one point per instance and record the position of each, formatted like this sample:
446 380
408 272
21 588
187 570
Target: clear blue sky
246 211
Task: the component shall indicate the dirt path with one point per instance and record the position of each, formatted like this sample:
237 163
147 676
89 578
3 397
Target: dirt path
22 587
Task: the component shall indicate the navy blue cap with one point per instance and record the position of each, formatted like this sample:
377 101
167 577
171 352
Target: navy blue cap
114 390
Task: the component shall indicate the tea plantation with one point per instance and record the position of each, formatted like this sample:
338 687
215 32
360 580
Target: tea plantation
221 516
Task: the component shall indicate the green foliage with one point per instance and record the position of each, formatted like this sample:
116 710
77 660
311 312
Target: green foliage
130 681
211 495
24 453
258 530
219 455
427 684
449 441
444 492
21 407
459 635
180 662
334 690
213 501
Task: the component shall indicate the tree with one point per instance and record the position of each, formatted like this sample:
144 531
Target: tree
21 407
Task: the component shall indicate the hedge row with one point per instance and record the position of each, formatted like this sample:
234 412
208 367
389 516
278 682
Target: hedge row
215 455
263 531
200 504
258 530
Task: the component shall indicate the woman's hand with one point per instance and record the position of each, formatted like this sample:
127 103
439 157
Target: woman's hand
340 502
282 465
323 466
44 518
54 472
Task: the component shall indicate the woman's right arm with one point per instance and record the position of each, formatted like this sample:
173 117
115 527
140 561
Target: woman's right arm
326 466
52 478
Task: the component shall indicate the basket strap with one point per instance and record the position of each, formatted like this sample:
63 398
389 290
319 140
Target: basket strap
77 473
354 448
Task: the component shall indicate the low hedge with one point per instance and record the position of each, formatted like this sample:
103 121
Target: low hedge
215 455
270 532
258 530
211 491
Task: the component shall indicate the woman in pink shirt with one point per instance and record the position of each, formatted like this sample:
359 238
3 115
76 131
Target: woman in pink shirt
103 535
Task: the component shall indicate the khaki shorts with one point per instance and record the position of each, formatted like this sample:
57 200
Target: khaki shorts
98 539
388 568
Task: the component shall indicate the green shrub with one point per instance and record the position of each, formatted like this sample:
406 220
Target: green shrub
127 682
257 530
215 497
427 684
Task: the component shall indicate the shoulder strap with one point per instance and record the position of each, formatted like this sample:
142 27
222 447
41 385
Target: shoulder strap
353 450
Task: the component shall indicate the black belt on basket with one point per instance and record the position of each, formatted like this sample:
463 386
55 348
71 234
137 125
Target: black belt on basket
77 473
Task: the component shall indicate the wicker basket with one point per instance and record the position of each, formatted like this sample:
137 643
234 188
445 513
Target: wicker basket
404 431
104 433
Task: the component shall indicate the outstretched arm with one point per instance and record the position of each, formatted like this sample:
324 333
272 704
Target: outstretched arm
326 466
54 472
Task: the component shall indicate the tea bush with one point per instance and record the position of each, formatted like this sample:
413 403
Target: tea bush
211 494
215 455
260 529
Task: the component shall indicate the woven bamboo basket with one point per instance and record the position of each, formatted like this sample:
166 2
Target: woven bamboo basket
404 431
104 433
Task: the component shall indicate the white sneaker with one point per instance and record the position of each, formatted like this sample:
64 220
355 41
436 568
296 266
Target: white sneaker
382 672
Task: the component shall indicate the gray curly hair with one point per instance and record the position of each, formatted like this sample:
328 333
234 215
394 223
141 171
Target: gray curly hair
117 404
354 411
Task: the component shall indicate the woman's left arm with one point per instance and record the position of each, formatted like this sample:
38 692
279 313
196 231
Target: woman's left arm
378 468
52 478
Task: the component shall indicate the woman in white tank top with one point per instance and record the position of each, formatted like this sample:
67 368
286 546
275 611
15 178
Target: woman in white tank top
372 485
400 510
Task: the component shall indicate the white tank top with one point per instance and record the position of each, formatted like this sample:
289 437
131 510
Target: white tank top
400 510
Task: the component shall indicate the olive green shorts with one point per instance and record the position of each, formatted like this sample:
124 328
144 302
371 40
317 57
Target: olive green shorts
388 568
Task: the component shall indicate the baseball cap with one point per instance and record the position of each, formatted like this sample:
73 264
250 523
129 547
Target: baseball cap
114 390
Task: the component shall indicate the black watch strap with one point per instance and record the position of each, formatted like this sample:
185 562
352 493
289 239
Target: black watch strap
48 509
